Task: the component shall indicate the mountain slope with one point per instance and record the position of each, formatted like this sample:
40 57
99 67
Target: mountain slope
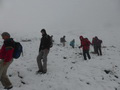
66 69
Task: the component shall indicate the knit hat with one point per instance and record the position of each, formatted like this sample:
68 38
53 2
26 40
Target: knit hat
81 37
5 34
43 30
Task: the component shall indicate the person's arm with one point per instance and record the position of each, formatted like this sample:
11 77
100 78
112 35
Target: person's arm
81 45
2 52
40 47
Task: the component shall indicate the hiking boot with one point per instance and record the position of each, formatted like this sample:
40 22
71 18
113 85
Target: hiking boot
8 88
44 72
39 71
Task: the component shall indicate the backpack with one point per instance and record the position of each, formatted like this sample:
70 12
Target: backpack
87 42
18 50
50 41
99 42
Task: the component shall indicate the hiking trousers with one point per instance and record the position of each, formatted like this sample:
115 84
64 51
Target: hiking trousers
3 73
42 60
63 44
95 48
99 51
85 54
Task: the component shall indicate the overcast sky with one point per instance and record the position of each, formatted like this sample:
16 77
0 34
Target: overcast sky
33 15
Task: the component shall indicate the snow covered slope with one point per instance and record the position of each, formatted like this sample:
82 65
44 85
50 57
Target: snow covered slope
66 69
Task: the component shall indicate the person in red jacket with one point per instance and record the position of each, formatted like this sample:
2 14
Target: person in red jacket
85 44
6 58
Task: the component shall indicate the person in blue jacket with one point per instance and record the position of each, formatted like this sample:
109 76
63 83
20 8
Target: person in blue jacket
72 43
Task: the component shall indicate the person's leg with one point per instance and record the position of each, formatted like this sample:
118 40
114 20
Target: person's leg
73 45
84 55
88 54
45 54
97 50
63 44
39 62
95 47
1 68
100 51
4 78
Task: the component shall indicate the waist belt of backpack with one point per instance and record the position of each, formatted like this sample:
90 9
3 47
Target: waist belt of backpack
9 48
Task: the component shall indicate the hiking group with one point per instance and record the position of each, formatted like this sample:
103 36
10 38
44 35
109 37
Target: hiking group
85 45
12 50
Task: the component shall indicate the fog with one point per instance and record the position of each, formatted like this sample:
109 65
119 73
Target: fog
59 15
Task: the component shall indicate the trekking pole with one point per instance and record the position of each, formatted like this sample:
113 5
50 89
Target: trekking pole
103 48
22 53
77 48
80 52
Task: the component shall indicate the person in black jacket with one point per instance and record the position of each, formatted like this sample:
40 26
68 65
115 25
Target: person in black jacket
62 40
43 52
98 43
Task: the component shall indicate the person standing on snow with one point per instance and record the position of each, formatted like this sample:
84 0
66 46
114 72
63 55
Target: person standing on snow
94 45
85 44
6 56
43 52
98 43
62 40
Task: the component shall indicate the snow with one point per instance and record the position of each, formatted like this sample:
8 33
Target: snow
66 68
67 73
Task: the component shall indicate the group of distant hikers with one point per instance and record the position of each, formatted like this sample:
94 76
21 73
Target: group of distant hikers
12 49
85 45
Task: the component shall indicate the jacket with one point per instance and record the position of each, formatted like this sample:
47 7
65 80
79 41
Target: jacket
85 44
45 42
7 50
72 43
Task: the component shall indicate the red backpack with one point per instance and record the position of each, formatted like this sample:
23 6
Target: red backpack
87 42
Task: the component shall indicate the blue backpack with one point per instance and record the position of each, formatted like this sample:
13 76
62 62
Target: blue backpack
18 50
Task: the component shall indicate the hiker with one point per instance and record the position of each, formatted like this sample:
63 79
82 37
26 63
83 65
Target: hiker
72 43
43 52
6 56
62 40
98 43
94 45
85 44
